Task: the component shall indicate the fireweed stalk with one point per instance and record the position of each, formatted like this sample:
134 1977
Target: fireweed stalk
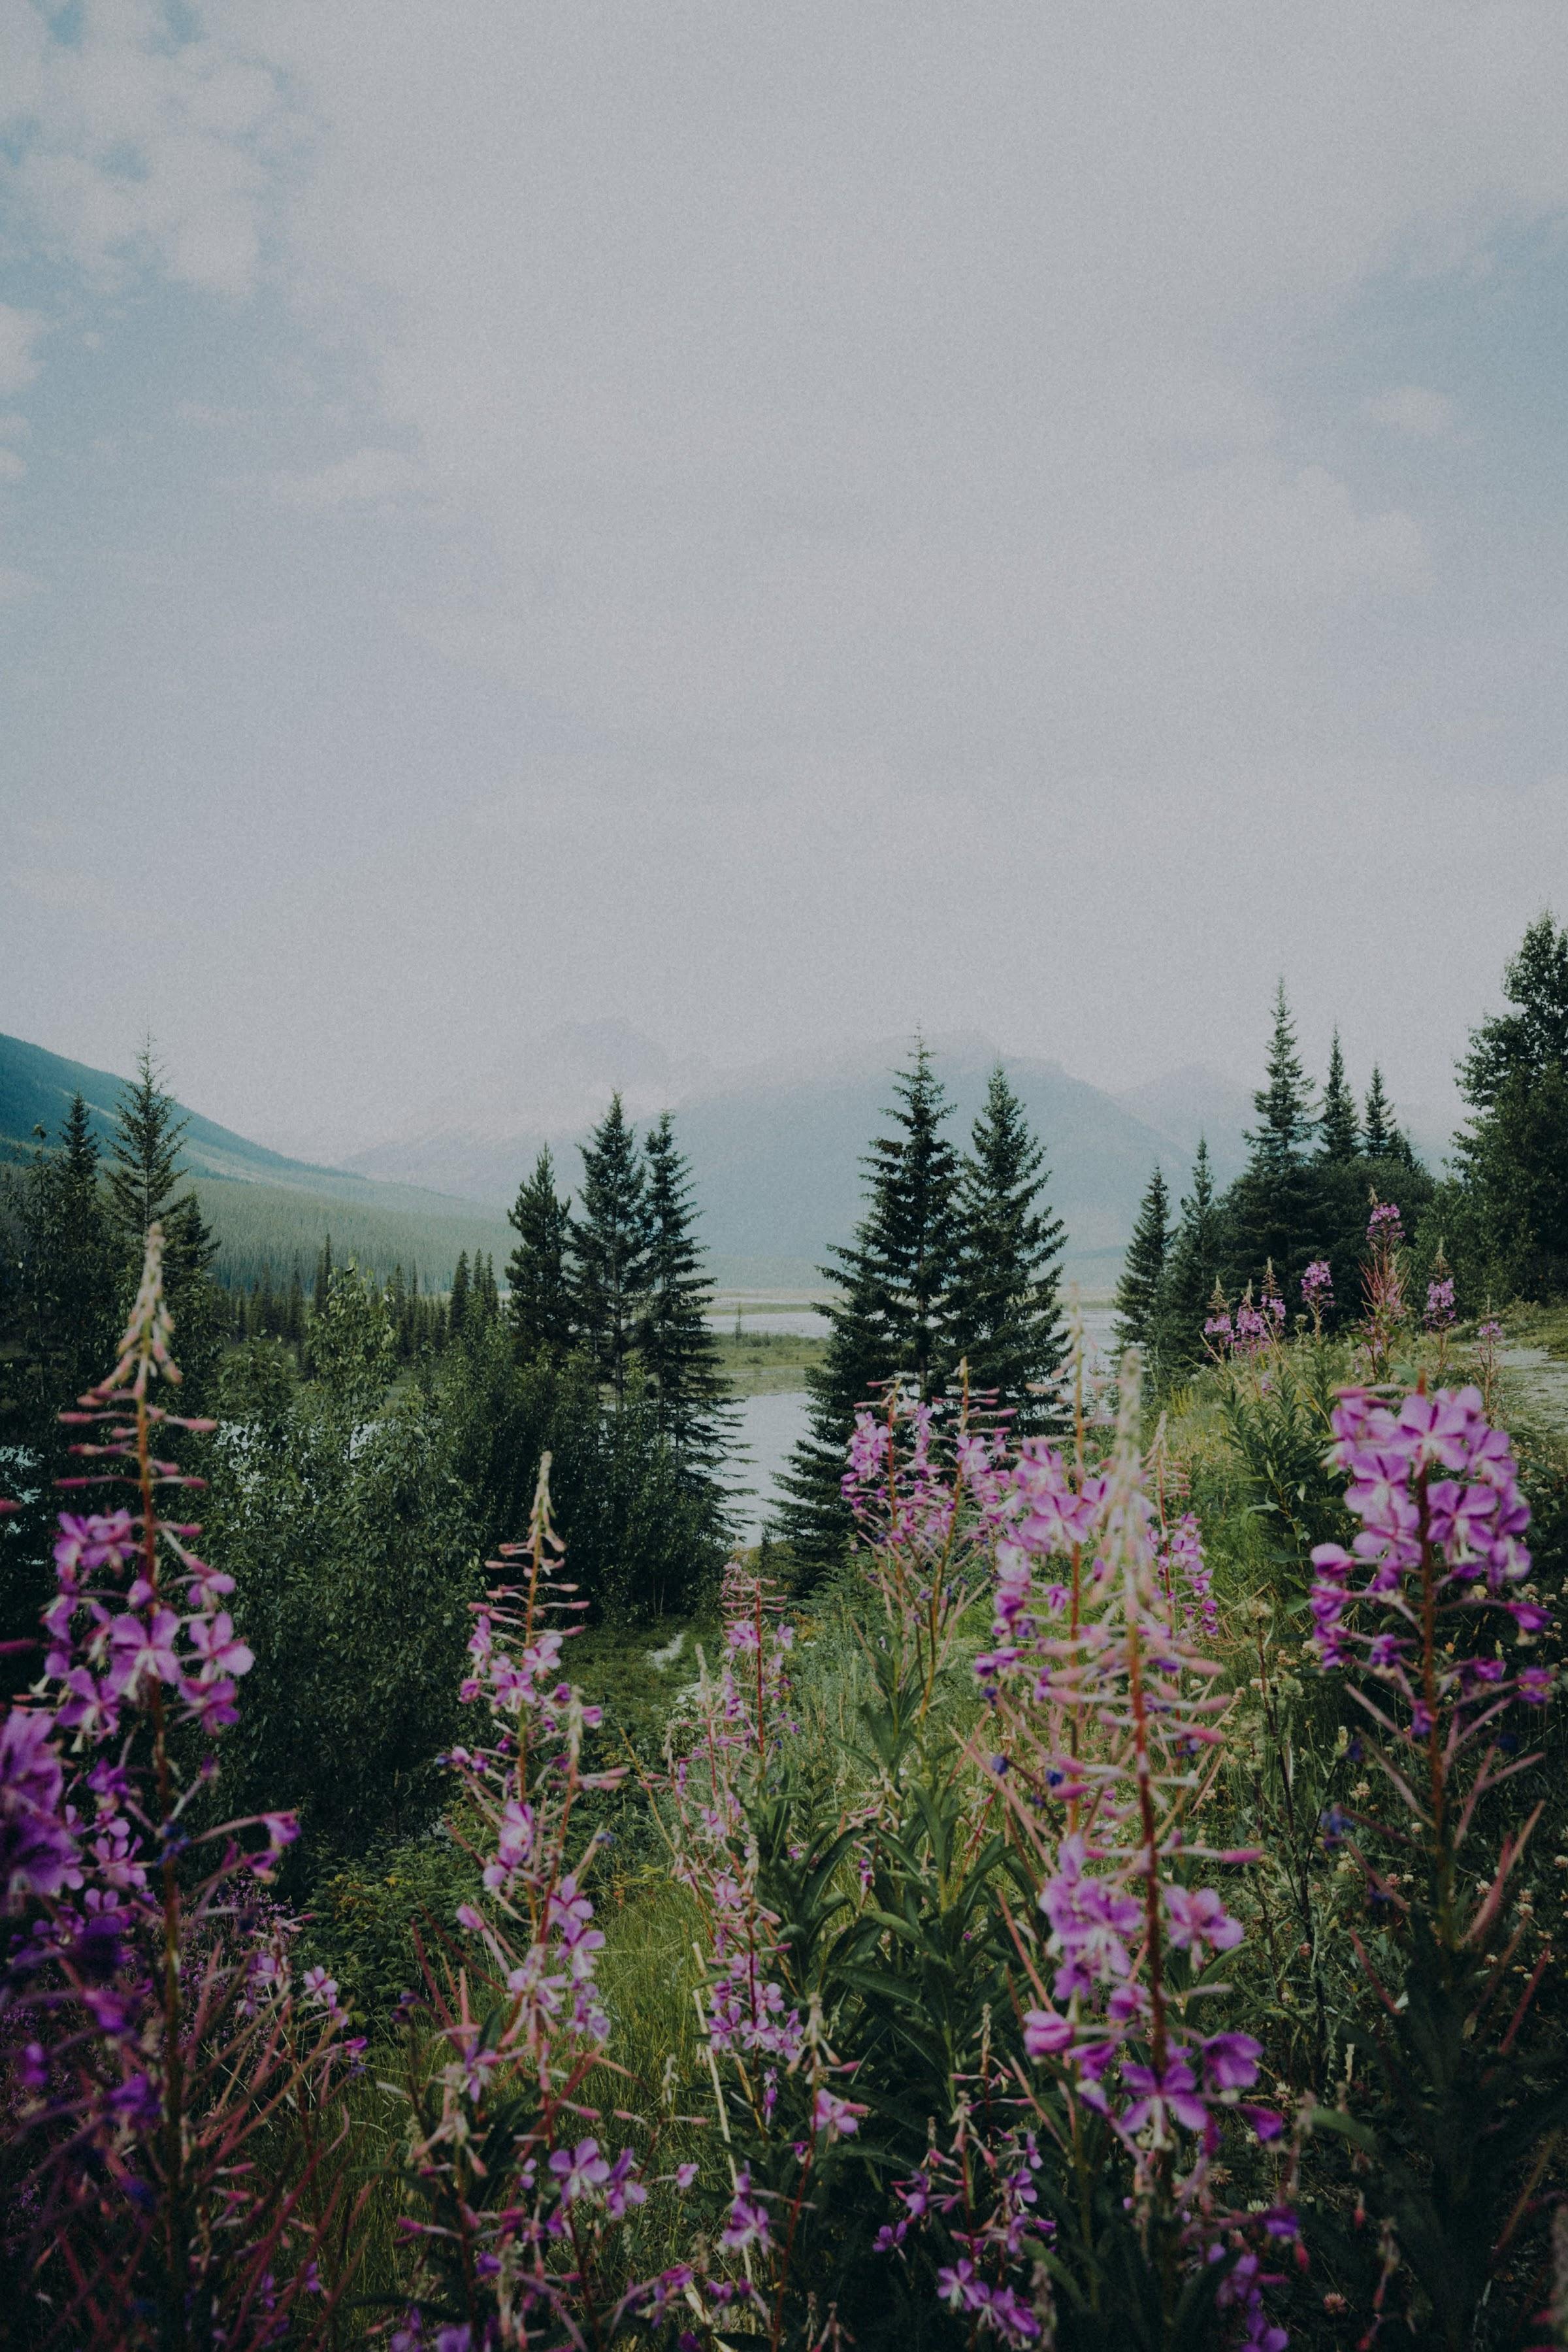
1458 2143
1106 1731
1436 1489
153 2027
524 2213
779 2095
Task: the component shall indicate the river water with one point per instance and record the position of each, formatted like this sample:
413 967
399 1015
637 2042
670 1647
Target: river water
771 1427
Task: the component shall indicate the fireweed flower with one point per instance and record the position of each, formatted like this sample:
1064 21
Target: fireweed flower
1436 1489
138 1969
1110 1709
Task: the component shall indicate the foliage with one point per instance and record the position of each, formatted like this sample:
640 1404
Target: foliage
539 1288
353 1548
950 1262
1512 1222
155 2035
609 1244
1138 1292
676 1347
1007 1311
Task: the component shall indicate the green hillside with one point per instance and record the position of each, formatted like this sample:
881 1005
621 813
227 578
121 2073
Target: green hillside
264 1207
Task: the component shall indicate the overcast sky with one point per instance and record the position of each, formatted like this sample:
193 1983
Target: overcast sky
776 522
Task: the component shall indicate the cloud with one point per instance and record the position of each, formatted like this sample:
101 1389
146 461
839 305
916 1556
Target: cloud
19 331
12 466
16 586
143 140
1427 415
371 476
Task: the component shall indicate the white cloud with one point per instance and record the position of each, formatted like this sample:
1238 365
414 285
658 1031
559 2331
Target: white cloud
16 586
902 450
1413 409
12 468
371 476
19 331
139 144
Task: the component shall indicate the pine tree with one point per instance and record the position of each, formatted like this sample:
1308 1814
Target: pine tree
140 1180
484 1295
457 1305
1005 1312
1514 1156
892 1313
145 1167
322 1286
1337 1140
609 1247
1192 1268
1274 1206
1379 1131
538 1271
678 1351
1138 1292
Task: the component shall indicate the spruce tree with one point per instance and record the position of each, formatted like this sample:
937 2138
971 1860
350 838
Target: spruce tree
145 1167
1274 1206
892 1314
1138 1292
610 1248
1192 1268
458 1306
538 1272
140 1180
679 1353
484 1297
1513 1156
1379 1129
1337 1141
1005 1312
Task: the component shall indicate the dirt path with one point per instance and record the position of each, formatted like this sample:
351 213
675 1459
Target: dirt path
1538 1381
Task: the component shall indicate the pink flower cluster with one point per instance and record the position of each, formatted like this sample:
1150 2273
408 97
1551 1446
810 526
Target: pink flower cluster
1250 1330
110 1642
1436 1489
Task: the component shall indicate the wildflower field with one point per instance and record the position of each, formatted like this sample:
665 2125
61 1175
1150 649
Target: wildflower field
1116 1910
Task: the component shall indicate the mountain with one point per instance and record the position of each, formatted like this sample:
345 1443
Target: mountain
1195 1102
261 1204
775 1153
479 1138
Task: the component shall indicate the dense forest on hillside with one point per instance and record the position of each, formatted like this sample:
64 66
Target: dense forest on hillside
1091 1880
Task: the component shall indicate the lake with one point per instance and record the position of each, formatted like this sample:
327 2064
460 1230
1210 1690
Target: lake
770 1427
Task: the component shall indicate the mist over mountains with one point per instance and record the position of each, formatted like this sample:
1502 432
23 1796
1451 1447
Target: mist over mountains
774 1151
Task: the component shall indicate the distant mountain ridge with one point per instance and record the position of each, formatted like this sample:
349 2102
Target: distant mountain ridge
261 1204
775 1153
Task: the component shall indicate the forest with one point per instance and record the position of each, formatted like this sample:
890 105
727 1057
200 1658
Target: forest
1088 1878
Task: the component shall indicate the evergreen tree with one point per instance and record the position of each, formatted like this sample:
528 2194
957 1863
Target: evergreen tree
1514 1156
323 1279
457 1305
1005 1312
1138 1292
145 1166
538 1271
484 1298
678 1351
140 1180
1273 1208
1379 1128
892 1314
610 1248
60 1313
1192 1268
1337 1140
